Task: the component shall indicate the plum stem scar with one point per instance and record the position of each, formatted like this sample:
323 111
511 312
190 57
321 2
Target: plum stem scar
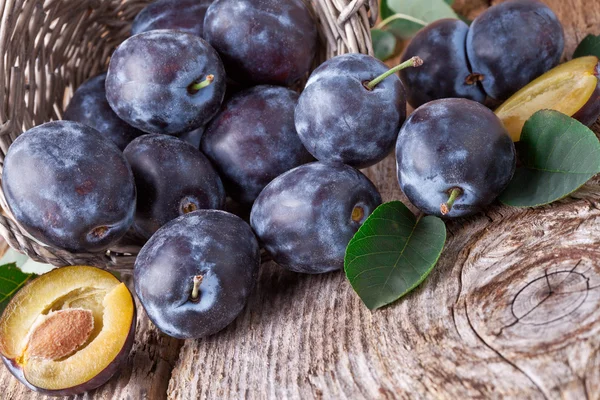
195 87
196 289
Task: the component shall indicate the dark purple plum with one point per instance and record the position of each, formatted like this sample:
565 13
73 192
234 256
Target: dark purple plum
183 15
90 107
165 81
445 71
340 119
513 43
172 178
253 140
194 276
454 148
306 217
193 137
69 187
265 41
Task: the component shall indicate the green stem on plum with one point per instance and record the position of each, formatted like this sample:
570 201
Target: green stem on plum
400 16
413 62
195 87
196 288
447 206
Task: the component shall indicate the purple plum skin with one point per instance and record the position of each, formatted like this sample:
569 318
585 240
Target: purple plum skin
193 137
513 43
262 42
170 173
303 218
215 244
182 15
149 78
94 383
62 180
445 69
90 107
454 143
339 120
253 140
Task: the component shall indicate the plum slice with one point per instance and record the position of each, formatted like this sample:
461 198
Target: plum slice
68 331
571 88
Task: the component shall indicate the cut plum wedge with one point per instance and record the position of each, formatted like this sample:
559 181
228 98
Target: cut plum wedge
68 331
571 88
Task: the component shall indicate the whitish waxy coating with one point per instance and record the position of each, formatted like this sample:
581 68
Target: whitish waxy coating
513 43
183 15
150 78
262 41
454 143
69 187
215 245
340 120
172 178
304 218
89 106
253 140
445 71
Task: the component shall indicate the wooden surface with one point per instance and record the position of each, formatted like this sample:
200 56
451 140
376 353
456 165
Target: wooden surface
511 311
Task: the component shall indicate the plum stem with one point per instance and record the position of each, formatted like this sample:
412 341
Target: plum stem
195 87
197 279
447 206
413 62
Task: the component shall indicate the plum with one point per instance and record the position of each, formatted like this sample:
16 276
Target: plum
68 331
445 71
572 88
266 41
165 81
454 157
253 140
90 107
195 274
512 43
183 15
306 217
172 178
69 187
342 117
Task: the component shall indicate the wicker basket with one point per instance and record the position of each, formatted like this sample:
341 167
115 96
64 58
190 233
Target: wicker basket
49 47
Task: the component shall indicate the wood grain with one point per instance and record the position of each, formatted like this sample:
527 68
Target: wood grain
511 311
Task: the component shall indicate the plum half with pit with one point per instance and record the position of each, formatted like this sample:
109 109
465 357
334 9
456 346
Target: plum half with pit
253 140
306 217
165 81
69 187
68 331
512 43
182 15
573 88
195 274
172 178
454 157
262 42
90 107
351 110
445 71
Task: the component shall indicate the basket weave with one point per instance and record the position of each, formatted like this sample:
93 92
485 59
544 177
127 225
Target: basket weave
49 47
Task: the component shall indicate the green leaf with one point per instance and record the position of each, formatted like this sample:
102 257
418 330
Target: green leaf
11 280
421 12
450 2
384 44
560 155
589 46
392 253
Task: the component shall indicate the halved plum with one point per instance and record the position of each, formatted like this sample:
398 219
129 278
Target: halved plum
68 331
572 88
